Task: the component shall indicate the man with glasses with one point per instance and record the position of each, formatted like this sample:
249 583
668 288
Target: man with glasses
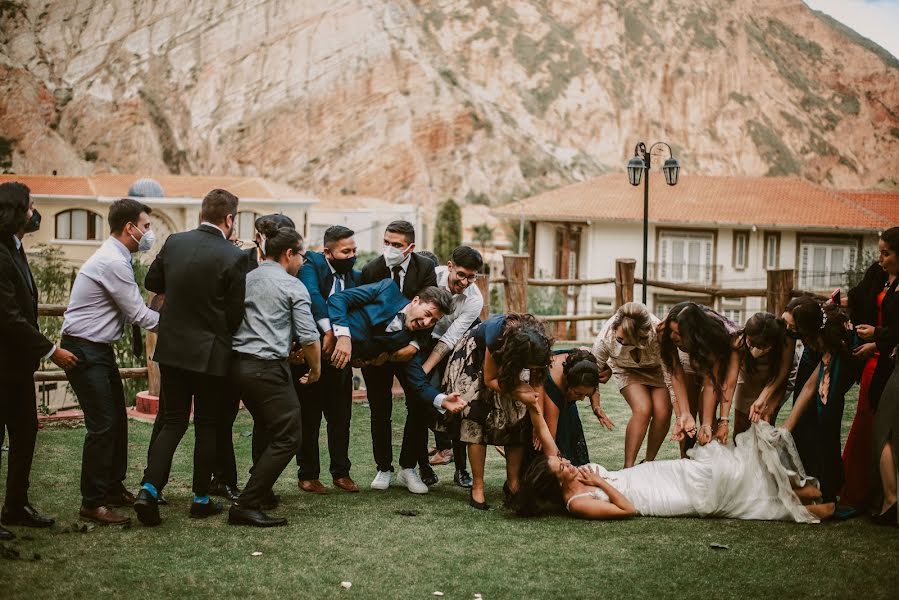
458 276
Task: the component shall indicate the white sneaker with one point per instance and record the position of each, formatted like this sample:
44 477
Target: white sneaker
412 481
382 480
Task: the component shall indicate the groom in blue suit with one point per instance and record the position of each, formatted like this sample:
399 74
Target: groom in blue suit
324 274
372 322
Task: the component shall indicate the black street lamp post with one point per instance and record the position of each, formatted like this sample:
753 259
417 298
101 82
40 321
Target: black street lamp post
635 167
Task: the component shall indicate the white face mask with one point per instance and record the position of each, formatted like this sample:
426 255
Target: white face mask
758 352
393 256
145 243
620 348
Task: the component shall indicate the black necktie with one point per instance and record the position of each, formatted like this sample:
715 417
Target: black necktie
396 276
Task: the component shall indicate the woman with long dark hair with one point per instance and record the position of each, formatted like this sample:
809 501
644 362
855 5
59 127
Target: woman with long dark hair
698 348
766 358
874 311
573 376
826 372
627 348
759 478
493 367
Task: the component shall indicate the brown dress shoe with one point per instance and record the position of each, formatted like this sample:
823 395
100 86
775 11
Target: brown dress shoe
122 498
103 516
346 484
313 486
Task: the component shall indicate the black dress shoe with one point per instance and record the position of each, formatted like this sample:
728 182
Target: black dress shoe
6 535
463 479
24 516
253 517
223 490
888 517
201 510
428 476
160 500
147 509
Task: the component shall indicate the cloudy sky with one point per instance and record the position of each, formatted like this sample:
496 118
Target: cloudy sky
877 20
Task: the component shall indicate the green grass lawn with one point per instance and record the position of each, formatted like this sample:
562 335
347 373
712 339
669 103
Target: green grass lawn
446 546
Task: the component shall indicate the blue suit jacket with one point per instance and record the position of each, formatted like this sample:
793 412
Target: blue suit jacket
317 277
366 311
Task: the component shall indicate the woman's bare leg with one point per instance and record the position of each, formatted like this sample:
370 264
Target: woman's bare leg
693 390
477 458
807 493
514 460
661 421
638 398
888 476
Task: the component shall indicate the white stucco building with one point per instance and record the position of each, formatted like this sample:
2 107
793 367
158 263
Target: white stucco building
714 231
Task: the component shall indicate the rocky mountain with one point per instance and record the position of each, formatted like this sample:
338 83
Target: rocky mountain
418 101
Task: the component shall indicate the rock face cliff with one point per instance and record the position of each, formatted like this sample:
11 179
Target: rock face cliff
419 101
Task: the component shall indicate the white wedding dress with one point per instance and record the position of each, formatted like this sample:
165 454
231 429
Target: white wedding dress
751 480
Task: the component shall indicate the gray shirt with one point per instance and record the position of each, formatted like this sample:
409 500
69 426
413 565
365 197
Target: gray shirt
105 297
278 310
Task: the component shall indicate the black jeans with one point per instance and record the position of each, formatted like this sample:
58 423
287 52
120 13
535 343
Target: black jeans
331 396
98 386
181 387
18 415
414 449
269 395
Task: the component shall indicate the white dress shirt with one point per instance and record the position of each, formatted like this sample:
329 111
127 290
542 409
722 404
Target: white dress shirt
325 324
105 297
466 308
404 268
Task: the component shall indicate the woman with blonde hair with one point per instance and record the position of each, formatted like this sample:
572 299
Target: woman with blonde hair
628 348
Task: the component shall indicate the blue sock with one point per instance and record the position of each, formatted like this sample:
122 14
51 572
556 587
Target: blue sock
201 499
151 488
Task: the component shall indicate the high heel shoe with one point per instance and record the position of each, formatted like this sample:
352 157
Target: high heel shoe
887 517
475 504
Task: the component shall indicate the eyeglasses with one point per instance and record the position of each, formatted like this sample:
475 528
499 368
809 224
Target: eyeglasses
469 278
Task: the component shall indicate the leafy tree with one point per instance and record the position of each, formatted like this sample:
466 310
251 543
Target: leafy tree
448 232
483 234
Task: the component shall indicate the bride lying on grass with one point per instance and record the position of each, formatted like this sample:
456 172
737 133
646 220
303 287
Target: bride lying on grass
760 478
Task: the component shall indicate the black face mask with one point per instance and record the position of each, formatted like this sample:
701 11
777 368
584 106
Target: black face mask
343 265
34 223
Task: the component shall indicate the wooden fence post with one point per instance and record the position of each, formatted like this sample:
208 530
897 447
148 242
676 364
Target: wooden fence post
516 286
780 286
483 282
624 281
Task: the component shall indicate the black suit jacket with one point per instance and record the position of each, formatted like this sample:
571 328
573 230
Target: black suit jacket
203 277
21 343
419 275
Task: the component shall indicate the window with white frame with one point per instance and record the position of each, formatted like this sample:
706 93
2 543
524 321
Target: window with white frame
79 224
246 225
733 309
824 262
686 256
741 249
663 303
772 251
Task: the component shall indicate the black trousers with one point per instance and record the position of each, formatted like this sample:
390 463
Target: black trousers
331 396
225 470
181 387
414 449
18 415
268 393
98 386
